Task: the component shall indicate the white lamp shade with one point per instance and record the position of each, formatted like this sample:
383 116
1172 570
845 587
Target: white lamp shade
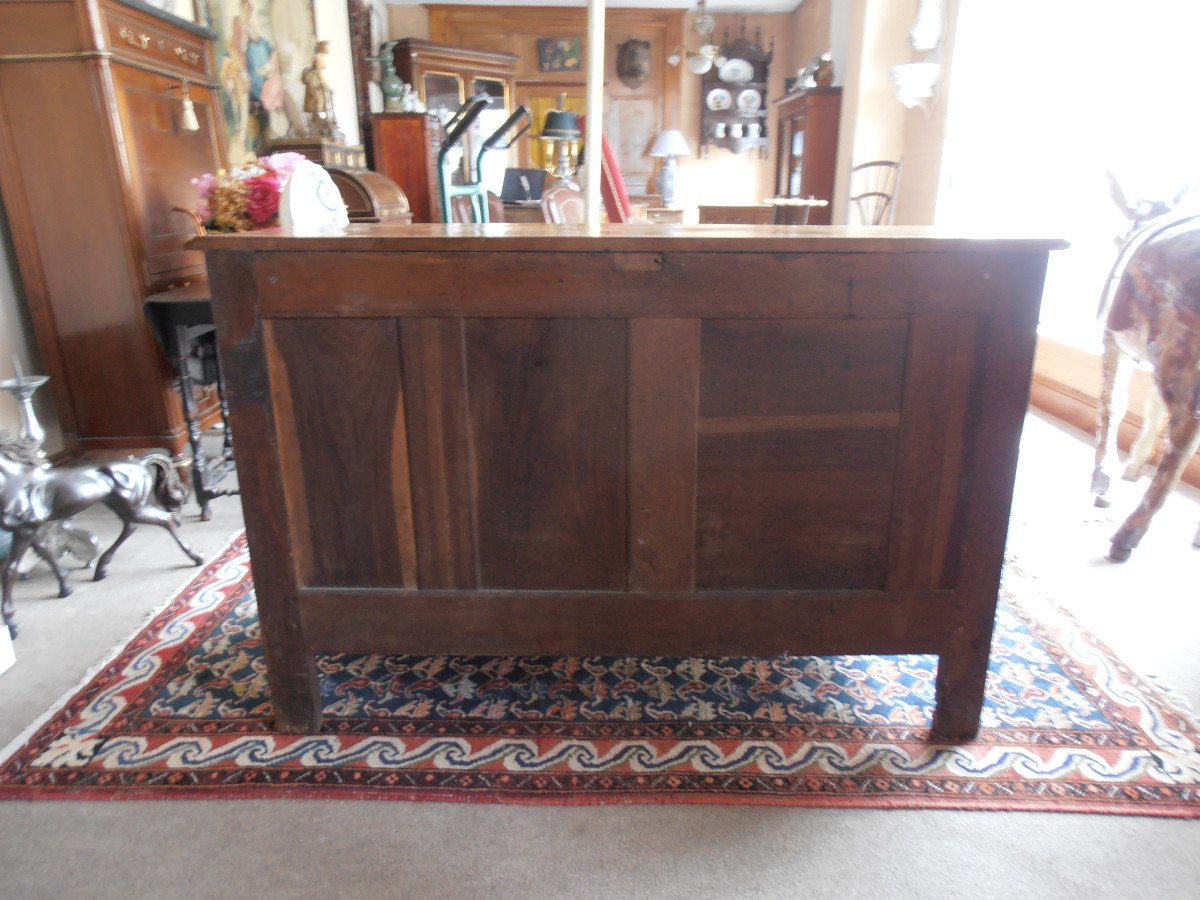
699 64
670 143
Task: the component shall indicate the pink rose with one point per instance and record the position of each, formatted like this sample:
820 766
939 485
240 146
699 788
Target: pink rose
284 163
204 187
263 201
204 184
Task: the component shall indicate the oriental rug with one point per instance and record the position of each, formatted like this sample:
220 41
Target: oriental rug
182 710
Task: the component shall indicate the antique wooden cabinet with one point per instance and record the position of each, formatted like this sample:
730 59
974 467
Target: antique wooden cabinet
93 156
806 160
444 77
405 148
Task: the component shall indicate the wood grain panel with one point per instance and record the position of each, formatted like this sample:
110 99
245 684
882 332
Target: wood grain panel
780 368
439 455
785 283
664 386
940 379
547 400
1004 361
352 447
797 450
263 478
778 529
527 623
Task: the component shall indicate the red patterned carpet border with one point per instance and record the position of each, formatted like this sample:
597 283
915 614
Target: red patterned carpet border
181 711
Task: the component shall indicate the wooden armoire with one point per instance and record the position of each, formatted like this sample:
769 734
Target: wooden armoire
93 156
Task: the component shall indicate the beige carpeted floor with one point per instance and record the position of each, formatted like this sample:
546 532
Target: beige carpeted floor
1148 610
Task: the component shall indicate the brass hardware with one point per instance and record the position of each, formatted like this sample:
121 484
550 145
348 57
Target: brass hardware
187 56
141 40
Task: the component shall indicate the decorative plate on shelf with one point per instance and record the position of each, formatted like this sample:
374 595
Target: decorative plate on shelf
749 100
737 71
718 99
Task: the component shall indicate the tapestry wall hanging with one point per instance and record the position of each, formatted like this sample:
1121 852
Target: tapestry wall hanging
262 47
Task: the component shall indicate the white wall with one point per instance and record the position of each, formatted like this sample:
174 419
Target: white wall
16 339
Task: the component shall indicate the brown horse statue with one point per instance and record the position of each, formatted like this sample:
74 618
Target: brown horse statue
140 491
1151 312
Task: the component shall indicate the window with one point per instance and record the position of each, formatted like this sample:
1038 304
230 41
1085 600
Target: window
1045 96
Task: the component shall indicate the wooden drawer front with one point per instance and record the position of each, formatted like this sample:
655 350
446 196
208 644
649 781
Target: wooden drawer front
133 38
166 158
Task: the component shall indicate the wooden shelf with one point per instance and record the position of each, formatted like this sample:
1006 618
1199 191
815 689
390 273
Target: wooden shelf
739 48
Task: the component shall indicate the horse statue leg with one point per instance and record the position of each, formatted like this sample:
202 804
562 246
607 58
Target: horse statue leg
107 555
1154 415
22 540
64 589
157 494
1114 395
1183 437
145 515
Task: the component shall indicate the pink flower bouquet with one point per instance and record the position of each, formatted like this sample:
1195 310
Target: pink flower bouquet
246 197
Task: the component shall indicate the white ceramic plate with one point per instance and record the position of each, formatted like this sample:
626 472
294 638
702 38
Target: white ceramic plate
718 99
737 71
749 100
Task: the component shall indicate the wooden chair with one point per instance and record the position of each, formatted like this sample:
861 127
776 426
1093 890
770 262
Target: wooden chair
873 187
462 209
563 204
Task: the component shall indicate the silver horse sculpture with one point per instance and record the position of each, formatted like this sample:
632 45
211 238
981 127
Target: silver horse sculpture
1151 312
142 490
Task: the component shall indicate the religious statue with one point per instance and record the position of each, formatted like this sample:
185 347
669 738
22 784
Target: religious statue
318 96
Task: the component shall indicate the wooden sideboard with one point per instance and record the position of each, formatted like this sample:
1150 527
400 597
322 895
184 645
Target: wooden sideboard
93 156
536 439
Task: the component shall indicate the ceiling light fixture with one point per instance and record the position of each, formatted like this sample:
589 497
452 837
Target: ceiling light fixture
708 53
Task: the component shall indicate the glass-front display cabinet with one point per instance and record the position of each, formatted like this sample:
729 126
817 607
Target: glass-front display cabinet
806 149
445 76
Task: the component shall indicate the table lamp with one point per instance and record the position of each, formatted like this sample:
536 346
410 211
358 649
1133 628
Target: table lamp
670 145
561 130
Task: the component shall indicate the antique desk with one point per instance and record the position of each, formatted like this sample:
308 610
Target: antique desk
531 439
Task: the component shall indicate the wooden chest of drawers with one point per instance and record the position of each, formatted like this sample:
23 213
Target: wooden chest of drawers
93 157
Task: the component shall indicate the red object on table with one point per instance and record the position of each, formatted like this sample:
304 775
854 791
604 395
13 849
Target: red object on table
612 184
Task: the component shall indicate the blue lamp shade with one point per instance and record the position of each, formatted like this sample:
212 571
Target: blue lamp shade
670 143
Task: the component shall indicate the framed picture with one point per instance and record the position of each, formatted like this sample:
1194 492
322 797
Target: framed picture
560 54
262 47
181 9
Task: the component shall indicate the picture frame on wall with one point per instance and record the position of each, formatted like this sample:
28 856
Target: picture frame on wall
188 10
561 54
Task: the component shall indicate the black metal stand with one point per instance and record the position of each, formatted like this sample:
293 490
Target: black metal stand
182 321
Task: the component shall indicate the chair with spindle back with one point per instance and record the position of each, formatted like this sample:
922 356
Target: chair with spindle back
873 187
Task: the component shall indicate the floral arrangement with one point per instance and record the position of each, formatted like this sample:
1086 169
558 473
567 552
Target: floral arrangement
246 197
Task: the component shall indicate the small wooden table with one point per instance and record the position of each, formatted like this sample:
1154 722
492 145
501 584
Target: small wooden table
678 440
524 211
